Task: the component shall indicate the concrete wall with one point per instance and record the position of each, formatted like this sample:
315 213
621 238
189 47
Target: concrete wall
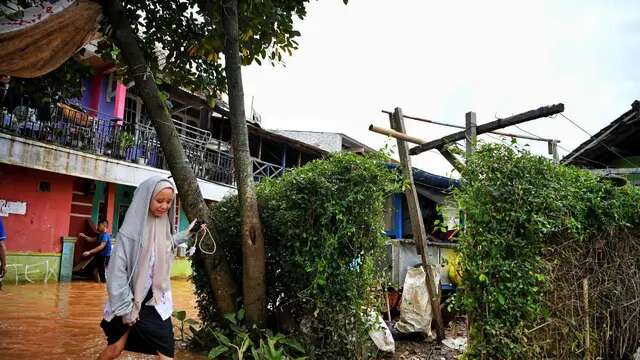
47 217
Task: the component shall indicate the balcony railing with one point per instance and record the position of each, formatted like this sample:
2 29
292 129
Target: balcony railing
101 134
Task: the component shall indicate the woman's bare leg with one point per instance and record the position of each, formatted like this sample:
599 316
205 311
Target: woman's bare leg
163 357
114 350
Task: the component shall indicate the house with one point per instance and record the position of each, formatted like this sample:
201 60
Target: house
435 204
68 163
328 141
614 150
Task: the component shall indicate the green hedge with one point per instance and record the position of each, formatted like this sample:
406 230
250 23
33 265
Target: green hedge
324 236
521 213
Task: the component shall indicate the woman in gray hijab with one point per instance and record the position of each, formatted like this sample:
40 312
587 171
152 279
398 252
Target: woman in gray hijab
137 315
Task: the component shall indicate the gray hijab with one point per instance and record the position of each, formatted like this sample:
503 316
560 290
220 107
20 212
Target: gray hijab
124 265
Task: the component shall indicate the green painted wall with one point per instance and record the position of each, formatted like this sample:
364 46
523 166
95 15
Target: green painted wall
36 267
23 267
124 194
183 223
98 197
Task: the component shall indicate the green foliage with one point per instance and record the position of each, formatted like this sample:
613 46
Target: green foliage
324 236
125 140
234 340
517 206
181 317
183 41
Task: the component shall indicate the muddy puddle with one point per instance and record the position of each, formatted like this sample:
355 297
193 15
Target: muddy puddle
61 321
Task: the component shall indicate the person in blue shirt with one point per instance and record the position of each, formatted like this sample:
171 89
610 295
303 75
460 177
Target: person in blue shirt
3 253
103 250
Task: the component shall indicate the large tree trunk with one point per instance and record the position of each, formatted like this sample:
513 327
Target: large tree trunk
253 258
216 266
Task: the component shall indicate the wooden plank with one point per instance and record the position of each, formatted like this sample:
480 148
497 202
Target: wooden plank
417 224
444 150
501 133
490 126
470 132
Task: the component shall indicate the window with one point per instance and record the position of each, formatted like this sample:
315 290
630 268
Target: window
44 186
134 111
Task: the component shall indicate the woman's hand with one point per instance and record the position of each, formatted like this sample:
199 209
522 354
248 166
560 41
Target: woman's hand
86 253
191 228
129 319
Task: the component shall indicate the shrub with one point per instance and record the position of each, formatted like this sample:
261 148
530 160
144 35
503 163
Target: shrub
527 221
324 236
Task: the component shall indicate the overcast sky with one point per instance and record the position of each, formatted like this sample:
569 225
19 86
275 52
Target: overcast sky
440 59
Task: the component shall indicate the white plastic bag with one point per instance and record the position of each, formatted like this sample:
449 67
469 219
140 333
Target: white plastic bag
380 333
415 309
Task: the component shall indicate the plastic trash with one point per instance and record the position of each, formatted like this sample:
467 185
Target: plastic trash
415 309
457 344
380 333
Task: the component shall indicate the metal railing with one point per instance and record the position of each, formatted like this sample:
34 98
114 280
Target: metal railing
89 131
263 169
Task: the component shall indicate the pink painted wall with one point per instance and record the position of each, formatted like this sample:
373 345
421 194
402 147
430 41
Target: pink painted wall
47 217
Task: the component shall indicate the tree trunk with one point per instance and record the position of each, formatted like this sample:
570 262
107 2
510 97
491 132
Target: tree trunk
216 266
253 258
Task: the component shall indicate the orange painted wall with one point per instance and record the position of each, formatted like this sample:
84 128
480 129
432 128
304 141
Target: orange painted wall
47 217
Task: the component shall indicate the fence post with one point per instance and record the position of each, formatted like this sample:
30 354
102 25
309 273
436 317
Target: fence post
470 132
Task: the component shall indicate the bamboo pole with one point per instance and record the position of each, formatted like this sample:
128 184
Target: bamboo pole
396 134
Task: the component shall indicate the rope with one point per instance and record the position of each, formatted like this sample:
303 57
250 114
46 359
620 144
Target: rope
198 243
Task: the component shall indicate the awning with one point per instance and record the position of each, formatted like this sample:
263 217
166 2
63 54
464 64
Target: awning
45 36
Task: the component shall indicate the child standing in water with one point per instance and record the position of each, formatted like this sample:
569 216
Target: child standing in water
103 250
137 315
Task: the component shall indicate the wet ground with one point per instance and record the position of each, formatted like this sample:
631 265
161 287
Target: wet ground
61 321
429 349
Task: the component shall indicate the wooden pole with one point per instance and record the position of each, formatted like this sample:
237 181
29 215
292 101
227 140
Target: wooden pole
417 224
501 133
587 340
444 150
553 150
401 136
470 132
386 299
396 134
490 126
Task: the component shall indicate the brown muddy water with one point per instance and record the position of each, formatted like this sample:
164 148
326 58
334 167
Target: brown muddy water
61 321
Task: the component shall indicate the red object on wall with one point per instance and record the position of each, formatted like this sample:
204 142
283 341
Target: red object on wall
47 217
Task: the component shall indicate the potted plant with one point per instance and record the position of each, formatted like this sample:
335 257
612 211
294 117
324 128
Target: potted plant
125 142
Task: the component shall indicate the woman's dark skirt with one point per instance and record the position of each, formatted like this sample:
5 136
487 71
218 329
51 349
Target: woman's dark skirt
149 335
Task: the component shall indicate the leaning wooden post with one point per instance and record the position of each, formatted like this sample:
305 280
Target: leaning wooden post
417 224
470 132
553 150
587 340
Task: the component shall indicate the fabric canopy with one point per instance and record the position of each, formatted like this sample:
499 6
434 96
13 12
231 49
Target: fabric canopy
46 36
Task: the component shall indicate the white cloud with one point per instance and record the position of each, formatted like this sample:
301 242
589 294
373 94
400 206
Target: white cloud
441 59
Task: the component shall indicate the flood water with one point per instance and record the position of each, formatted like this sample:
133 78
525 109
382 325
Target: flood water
61 321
